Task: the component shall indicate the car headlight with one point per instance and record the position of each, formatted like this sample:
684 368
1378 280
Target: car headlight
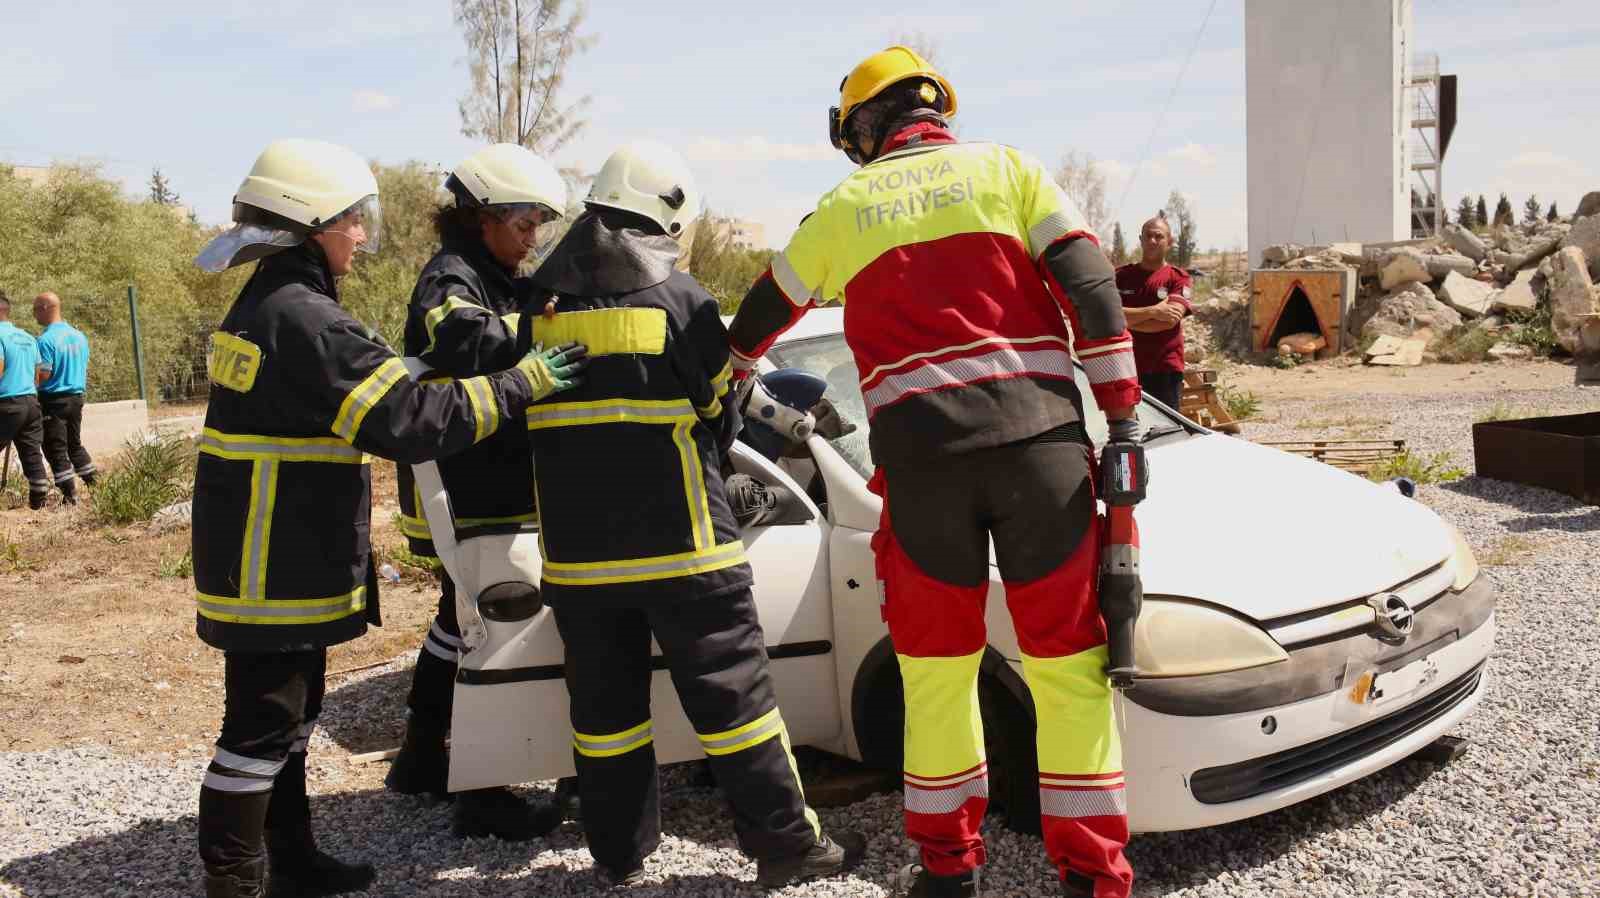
1462 560
1183 639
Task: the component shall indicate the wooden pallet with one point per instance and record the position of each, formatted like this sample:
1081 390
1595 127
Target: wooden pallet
1200 403
1355 456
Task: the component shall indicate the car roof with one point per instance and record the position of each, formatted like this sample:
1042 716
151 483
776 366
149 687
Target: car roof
817 323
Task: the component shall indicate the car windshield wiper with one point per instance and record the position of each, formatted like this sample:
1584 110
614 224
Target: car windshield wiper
1158 432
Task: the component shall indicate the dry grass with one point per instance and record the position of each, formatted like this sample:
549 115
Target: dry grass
1510 551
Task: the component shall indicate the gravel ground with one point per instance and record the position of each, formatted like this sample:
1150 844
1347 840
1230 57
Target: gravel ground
1519 814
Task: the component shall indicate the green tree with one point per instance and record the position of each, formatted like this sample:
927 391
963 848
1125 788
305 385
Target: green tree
1481 216
1119 245
724 268
518 52
161 192
1554 215
378 290
1503 216
1531 210
1466 216
1183 237
1085 184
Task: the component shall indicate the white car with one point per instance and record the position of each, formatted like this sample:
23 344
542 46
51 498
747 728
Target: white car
1302 628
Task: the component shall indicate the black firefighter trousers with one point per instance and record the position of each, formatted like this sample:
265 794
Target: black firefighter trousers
63 441
716 653
22 424
257 777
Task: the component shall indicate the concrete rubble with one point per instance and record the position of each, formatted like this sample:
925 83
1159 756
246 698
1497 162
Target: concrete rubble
1403 266
1573 296
1467 296
1407 311
1396 351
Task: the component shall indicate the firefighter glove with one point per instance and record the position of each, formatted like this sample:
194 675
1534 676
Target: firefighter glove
554 369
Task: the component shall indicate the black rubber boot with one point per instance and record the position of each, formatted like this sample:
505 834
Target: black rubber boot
245 881
916 882
829 856
299 870
567 797
620 879
423 766
500 813
69 493
36 501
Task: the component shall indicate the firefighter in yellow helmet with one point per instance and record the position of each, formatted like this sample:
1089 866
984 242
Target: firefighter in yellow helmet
960 266
301 392
462 322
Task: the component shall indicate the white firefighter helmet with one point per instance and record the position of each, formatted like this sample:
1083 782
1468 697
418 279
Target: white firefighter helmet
511 178
650 179
295 188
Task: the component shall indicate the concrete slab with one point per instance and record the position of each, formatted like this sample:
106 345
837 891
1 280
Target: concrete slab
108 425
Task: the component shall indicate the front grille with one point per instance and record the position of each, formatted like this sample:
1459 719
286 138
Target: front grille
1247 779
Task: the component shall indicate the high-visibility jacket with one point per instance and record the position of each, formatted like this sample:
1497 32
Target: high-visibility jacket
629 478
301 392
462 322
955 263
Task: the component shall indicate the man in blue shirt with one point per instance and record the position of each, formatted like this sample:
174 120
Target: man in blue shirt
64 363
20 420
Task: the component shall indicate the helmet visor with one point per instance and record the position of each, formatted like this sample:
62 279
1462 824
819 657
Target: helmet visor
527 221
244 243
366 214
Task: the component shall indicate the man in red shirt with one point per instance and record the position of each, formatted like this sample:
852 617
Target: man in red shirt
1155 300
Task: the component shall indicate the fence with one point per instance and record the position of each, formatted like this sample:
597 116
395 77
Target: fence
135 352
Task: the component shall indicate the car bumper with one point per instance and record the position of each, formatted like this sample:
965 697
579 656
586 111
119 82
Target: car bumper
1313 745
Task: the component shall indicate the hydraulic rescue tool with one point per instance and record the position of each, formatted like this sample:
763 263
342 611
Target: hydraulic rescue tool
1123 478
758 404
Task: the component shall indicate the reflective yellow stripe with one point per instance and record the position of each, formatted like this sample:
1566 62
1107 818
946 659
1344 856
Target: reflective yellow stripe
416 528
719 384
1072 700
606 331
740 738
694 486
437 315
531 517
512 320
709 411
251 447
610 411
258 529
365 396
794 768
635 570
485 411
281 611
613 744
944 729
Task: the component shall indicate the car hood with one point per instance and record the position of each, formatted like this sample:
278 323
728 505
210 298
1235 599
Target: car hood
1267 534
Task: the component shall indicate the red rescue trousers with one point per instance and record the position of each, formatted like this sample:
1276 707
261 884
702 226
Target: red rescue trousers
1036 499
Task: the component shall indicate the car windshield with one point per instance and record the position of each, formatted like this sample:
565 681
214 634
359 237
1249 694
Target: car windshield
829 358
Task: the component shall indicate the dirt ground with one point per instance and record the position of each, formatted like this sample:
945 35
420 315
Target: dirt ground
97 639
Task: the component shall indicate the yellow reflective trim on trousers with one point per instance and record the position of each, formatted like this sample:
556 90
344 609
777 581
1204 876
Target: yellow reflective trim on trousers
606 331
610 411
944 729
439 313
610 745
365 396
281 611
799 785
637 570
251 447
485 411
258 529
416 528
1072 701
740 738
531 517
719 384
694 486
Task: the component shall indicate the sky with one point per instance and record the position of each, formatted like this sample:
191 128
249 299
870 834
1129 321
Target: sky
198 87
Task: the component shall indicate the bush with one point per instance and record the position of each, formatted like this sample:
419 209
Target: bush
1465 344
725 270
1241 404
153 472
1537 332
1437 468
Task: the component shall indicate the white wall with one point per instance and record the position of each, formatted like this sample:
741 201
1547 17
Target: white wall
1326 120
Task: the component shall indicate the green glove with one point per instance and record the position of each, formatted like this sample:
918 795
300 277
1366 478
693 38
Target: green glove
555 369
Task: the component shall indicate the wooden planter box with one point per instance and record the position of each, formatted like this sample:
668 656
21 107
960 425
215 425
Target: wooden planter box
1560 453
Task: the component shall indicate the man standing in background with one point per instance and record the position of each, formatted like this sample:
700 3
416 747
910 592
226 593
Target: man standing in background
1155 300
64 364
19 402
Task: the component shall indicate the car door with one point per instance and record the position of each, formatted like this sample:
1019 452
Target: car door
510 722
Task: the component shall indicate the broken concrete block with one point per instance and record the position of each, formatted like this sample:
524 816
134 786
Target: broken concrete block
1280 253
1465 295
1408 354
1384 345
1585 235
1403 266
1510 352
1589 205
1409 310
1442 264
1518 298
1349 253
1465 242
1572 296
1537 253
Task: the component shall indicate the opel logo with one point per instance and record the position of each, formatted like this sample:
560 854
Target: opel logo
1395 617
